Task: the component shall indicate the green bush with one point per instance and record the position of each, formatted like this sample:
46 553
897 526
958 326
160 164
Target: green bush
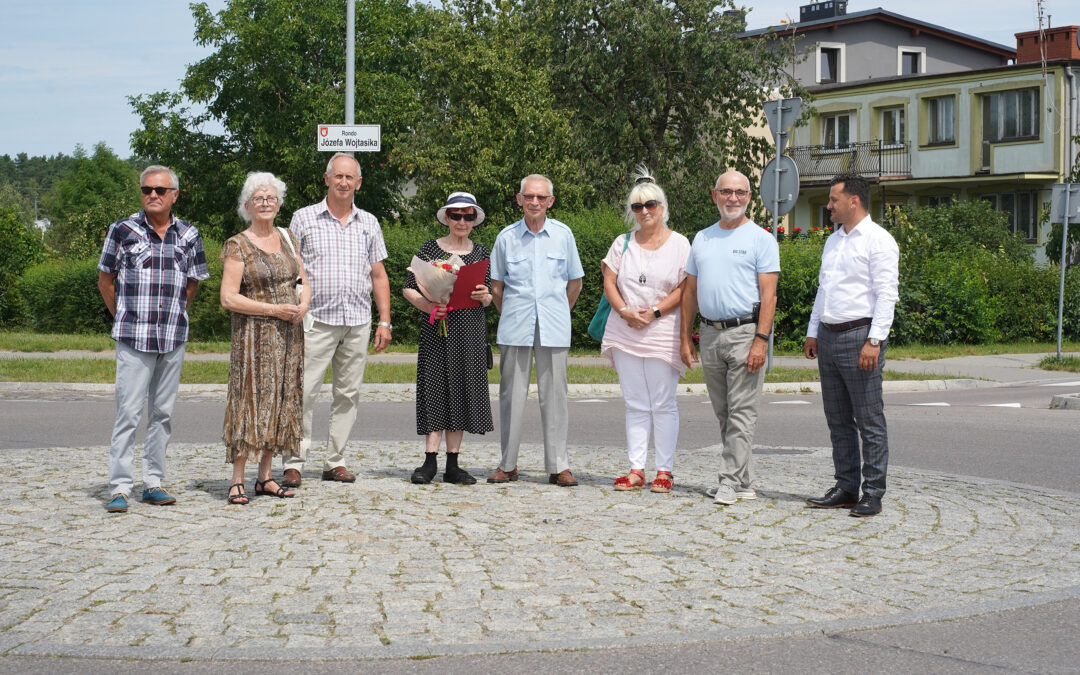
207 319
800 260
63 297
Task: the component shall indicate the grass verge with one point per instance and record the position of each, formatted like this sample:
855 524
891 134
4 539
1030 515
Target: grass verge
103 370
1069 364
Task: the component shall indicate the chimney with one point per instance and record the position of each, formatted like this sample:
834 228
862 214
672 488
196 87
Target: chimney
1061 43
827 9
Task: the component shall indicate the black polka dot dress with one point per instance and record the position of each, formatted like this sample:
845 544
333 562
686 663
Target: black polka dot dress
451 372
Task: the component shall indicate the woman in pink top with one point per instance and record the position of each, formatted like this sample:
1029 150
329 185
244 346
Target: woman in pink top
643 281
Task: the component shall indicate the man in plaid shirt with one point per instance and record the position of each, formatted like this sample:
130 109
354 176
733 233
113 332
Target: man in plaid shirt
342 248
150 268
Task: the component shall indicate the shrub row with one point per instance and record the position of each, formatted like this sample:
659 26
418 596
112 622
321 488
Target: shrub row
953 289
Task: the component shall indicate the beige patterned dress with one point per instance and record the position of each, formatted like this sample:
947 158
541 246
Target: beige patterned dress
264 410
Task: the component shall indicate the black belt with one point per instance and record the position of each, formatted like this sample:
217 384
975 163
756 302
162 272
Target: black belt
731 323
848 325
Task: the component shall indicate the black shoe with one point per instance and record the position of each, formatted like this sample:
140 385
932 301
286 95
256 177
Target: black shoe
422 475
458 476
834 498
867 506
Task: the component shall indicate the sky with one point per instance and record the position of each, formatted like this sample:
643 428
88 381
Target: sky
67 67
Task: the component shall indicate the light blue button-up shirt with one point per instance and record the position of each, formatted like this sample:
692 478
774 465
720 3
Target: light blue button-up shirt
535 269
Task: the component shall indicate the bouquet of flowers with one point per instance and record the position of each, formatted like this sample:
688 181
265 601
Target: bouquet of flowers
436 279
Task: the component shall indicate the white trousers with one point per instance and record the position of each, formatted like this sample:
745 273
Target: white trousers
345 348
142 379
649 387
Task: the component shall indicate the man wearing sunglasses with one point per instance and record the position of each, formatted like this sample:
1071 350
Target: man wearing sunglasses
732 274
535 281
342 248
149 271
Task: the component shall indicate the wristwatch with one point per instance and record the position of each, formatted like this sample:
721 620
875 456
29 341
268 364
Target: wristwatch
874 342
387 325
656 312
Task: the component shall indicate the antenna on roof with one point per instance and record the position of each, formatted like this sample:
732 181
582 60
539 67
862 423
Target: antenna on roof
1042 35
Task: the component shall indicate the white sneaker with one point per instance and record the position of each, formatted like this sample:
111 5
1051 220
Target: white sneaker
746 493
725 494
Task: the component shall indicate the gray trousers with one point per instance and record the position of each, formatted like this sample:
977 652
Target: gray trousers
854 408
735 393
515 365
142 379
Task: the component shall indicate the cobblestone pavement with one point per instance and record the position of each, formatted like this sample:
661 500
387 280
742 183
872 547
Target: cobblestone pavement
386 568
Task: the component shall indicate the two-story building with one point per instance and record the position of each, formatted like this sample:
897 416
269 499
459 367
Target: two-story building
930 115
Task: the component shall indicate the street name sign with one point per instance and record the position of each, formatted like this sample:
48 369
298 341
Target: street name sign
349 138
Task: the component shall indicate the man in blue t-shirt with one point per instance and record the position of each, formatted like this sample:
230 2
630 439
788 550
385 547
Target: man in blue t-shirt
731 277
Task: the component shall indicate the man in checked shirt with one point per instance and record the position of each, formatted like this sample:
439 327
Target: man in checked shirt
150 268
342 248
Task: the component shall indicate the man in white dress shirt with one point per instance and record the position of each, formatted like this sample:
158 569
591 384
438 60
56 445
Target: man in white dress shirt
849 326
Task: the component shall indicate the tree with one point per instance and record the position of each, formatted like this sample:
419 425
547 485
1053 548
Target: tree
98 190
666 83
20 247
276 72
489 117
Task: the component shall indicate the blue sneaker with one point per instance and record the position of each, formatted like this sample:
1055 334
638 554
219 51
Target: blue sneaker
157 496
118 504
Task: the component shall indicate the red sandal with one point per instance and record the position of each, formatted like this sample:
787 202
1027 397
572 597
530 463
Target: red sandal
663 482
623 483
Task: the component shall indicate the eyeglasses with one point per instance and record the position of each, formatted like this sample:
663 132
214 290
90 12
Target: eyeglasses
539 198
260 201
146 190
651 204
725 192
467 217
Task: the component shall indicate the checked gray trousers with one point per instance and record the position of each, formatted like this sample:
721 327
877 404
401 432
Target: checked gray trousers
854 409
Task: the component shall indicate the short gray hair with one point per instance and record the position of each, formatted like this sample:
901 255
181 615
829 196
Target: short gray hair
645 188
330 164
157 168
536 176
257 180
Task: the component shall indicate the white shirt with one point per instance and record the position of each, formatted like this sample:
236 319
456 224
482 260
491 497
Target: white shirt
859 278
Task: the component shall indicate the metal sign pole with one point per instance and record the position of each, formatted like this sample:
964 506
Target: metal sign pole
350 61
1061 287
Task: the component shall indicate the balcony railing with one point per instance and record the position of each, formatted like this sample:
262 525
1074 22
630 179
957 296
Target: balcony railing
870 159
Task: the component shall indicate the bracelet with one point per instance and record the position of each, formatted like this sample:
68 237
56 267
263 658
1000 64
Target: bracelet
625 307
387 325
763 336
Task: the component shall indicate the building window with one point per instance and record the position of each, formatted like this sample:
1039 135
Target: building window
830 63
941 120
1011 115
892 126
836 130
1022 209
935 201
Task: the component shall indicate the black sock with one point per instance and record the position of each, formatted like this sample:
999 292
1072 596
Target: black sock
431 461
451 461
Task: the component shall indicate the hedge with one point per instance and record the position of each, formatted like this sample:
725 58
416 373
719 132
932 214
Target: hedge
970 284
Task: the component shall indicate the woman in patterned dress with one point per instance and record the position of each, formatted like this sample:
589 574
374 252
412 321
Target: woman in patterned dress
265 288
451 370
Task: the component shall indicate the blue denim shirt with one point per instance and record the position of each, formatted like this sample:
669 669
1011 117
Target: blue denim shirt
535 269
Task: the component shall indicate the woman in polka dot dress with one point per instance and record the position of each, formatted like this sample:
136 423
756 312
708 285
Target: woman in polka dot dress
451 370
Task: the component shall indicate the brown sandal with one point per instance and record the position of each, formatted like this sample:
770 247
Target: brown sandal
624 483
240 495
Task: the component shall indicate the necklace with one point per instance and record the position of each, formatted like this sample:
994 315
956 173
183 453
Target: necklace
647 256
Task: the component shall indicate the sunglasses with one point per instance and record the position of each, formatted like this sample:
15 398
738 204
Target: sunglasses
467 217
146 190
637 206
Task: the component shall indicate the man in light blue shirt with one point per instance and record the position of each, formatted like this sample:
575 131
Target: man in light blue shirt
535 280
732 274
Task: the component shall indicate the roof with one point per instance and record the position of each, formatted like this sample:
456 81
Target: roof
885 15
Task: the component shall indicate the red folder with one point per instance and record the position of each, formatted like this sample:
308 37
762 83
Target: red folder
469 276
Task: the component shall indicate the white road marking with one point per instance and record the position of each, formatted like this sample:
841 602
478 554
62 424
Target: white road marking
591 400
790 402
1000 405
1063 384
937 404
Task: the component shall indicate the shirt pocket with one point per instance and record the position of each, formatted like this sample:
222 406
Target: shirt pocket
137 255
519 266
556 264
180 258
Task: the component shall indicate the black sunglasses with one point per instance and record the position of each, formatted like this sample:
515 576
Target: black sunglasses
146 190
467 217
637 206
